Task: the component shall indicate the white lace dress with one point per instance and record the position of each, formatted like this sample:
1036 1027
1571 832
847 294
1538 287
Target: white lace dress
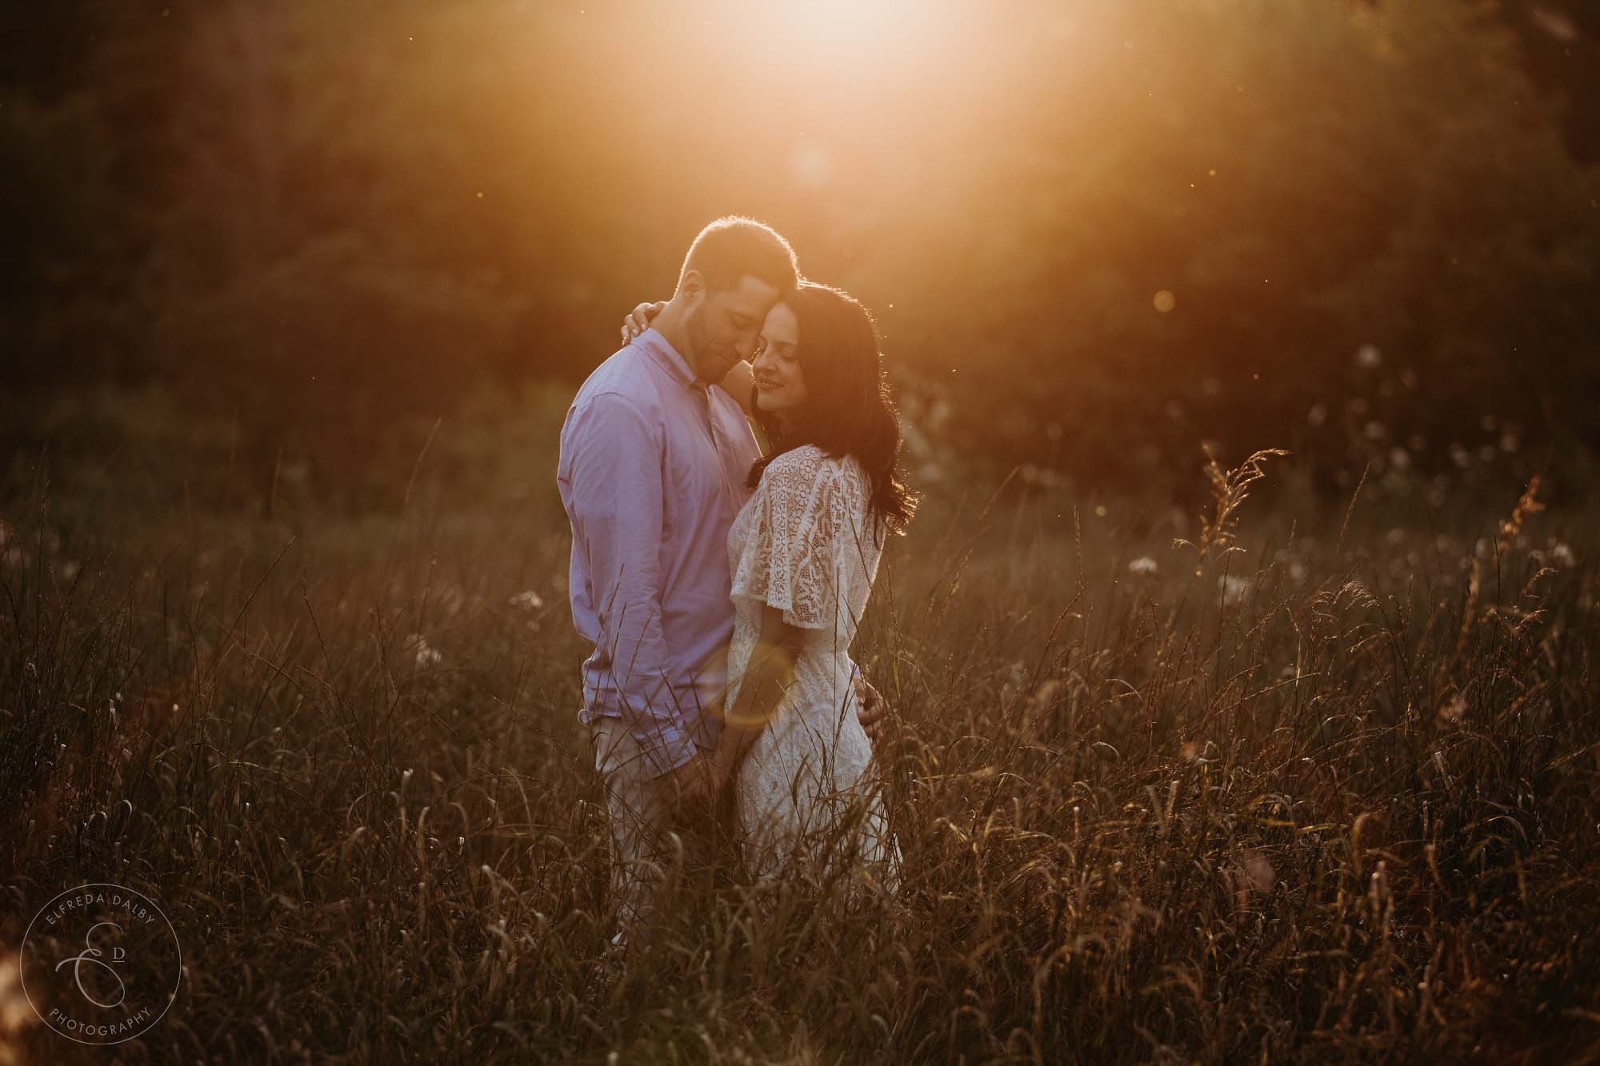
805 544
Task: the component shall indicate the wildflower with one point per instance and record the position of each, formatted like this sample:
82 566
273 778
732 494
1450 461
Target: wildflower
528 601
1399 458
1258 872
426 654
1368 356
1233 588
1142 565
1561 555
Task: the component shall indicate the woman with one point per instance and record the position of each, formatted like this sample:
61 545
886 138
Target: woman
804 552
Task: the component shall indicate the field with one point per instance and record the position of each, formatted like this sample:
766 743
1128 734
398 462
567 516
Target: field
1318 785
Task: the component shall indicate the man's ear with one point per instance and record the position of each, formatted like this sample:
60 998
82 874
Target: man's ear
693 287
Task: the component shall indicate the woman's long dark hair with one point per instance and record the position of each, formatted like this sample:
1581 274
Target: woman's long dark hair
847 410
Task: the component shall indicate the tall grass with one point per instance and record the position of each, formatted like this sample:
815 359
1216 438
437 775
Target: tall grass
1318 791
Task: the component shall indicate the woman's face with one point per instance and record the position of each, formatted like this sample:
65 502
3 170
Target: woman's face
780 386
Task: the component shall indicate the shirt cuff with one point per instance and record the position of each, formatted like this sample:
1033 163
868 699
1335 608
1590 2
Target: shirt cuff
665 746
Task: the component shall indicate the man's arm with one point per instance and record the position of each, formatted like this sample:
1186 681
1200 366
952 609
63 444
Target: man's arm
615 474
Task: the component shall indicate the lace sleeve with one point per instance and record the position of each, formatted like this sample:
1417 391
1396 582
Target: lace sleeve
789 557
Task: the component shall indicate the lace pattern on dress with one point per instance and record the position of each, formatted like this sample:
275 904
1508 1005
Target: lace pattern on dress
805 544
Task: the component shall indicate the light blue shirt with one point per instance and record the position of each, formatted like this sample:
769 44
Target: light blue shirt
652 473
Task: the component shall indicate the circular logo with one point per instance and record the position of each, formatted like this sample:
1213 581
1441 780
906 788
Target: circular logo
101 964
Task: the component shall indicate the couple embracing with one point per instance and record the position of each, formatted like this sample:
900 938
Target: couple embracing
721 586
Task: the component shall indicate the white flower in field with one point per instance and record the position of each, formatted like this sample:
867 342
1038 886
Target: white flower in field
1368 356
528 601
1298 572
1258 872
451 599
1317 415
1399 458
1142 565
1453 708
426 654
1233 588
1561 555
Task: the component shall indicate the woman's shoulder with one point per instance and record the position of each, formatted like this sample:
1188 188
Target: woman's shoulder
813 473
796 464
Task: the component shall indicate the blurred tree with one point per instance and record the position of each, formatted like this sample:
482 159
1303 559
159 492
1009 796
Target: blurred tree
1104 231
1335 205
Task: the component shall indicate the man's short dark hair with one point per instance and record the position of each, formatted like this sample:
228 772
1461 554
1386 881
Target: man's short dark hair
734 248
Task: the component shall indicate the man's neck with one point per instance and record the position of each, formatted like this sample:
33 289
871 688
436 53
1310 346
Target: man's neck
669 323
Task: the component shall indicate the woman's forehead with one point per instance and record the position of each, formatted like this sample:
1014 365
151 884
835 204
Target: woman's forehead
781 324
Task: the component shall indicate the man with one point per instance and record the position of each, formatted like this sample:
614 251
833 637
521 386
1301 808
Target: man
654 458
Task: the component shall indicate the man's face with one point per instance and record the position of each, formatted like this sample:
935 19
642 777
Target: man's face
723 325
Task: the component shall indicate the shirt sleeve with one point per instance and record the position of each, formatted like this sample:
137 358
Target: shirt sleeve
617 512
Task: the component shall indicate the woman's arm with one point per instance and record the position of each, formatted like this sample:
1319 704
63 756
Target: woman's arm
770 672
638 320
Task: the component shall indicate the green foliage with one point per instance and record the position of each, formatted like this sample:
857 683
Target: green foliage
1102 232
1315 180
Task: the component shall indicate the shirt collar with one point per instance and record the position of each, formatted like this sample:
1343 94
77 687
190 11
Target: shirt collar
664 355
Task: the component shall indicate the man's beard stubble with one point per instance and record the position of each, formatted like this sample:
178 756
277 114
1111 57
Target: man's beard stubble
706 356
